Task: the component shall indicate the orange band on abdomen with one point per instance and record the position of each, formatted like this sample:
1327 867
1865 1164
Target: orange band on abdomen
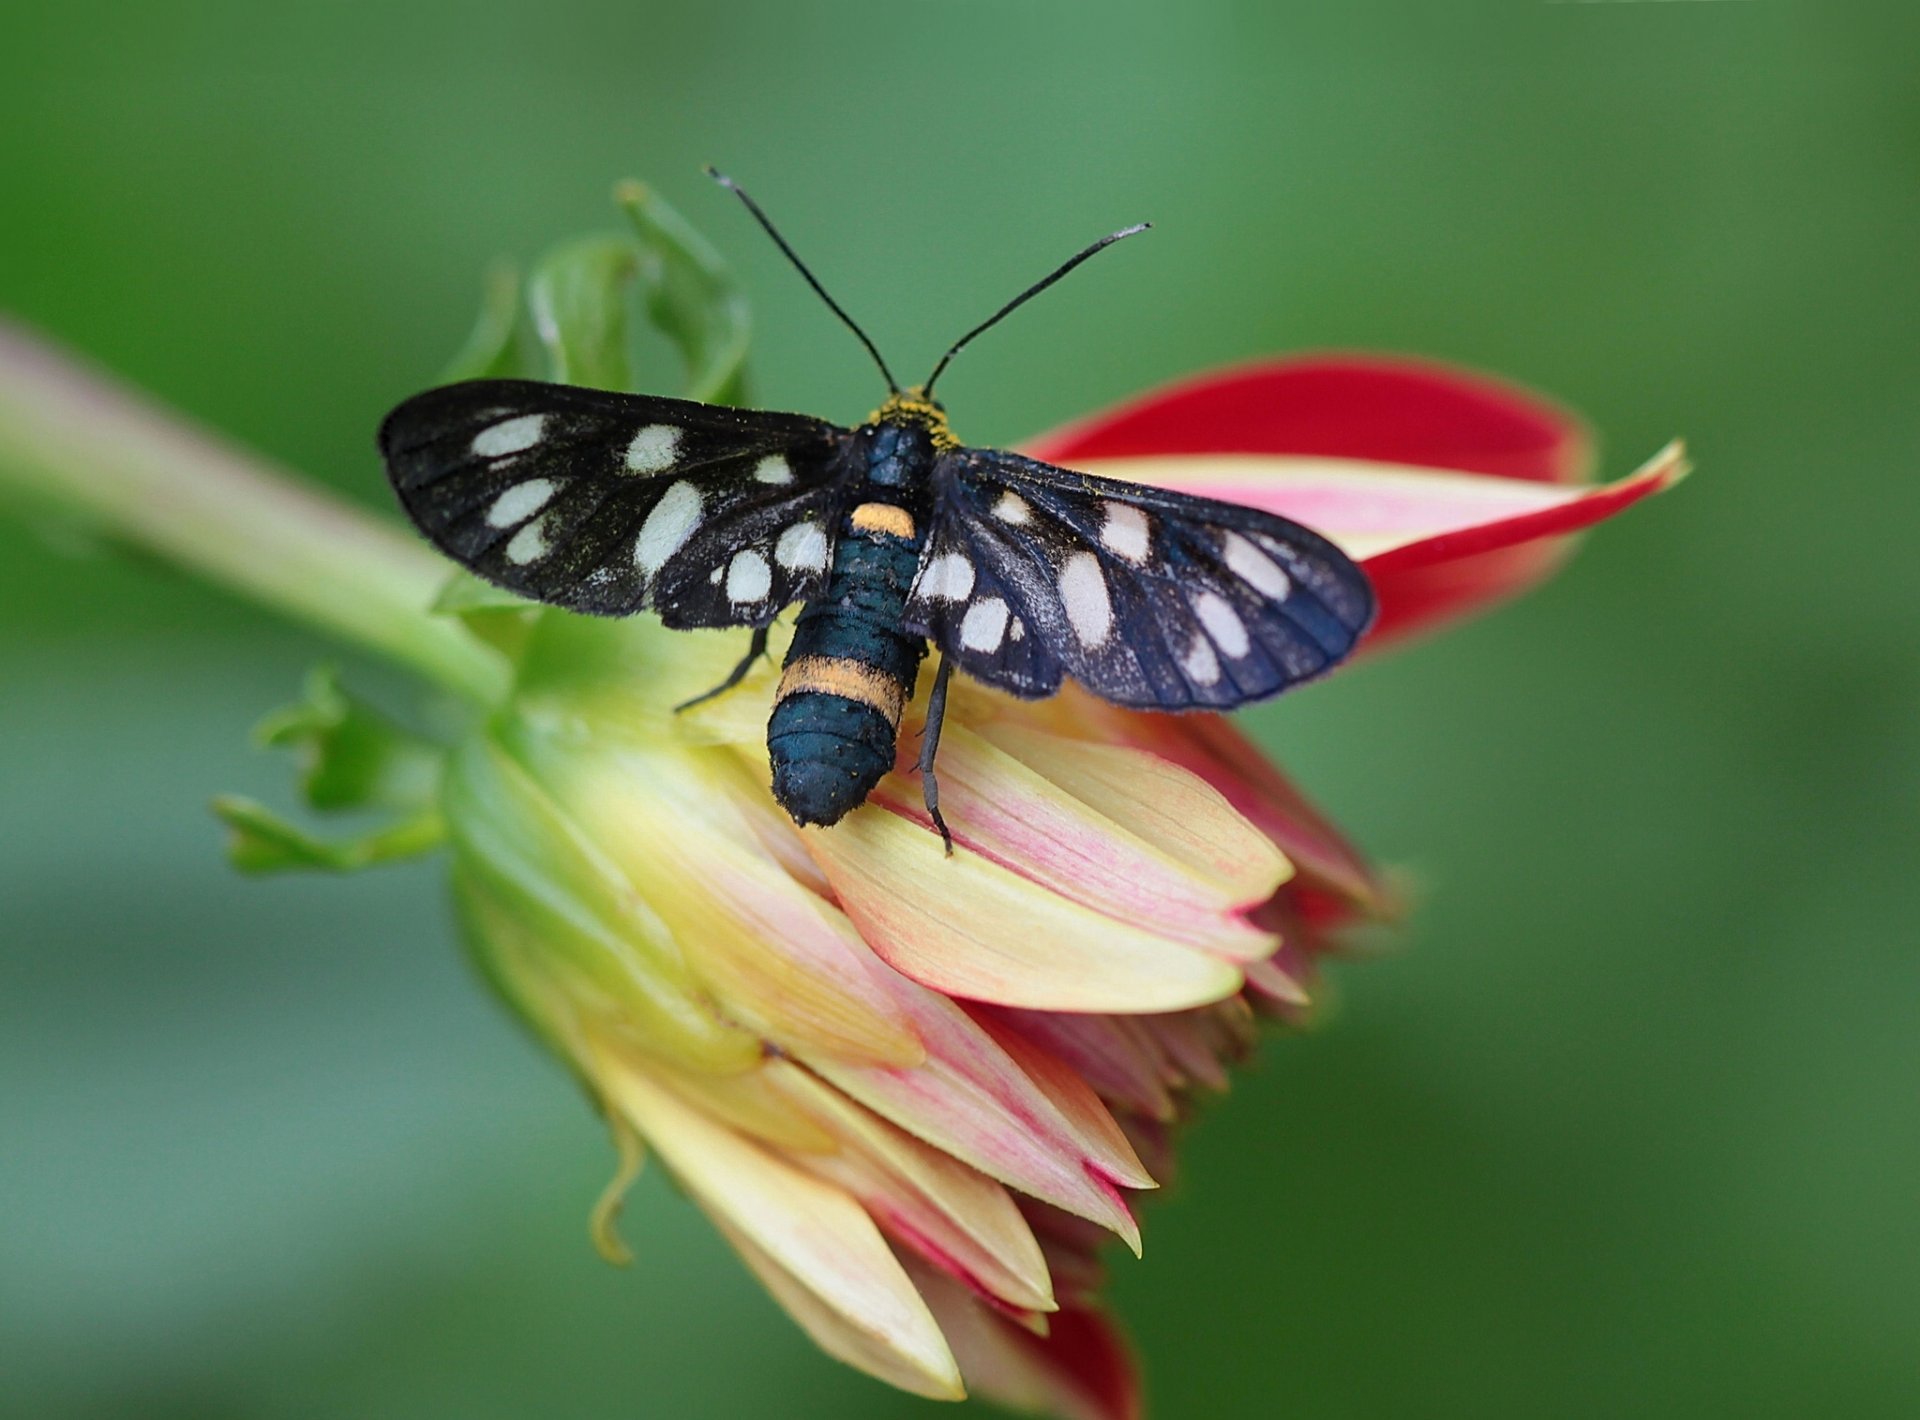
837 675
883 518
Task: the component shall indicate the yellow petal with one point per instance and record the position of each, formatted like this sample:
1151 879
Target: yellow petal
751 1103
812 1246
829 1330
970 927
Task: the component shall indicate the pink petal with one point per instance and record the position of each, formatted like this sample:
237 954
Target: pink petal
1378 408
1070 1094
949 1213
971 1099
1106 1052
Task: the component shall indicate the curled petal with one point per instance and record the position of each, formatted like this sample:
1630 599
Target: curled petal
1427 539
1434 478
811 1244
1449 570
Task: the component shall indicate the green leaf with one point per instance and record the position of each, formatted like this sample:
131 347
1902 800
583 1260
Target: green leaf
263 842
497 347
692 296
351 755
578 297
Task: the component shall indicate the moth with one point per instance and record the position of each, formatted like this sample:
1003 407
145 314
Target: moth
890 536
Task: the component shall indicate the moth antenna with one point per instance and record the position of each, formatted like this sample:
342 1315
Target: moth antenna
1025 296
740 192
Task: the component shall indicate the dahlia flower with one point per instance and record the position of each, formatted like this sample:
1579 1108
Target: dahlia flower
916 1093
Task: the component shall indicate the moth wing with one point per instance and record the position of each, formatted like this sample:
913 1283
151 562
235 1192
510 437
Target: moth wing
608 503
1150 599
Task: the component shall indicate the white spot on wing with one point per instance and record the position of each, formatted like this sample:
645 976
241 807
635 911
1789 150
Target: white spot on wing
667 527
802 548
984 625
509 436
749 579
1012 509
1255 568
949 578
529 544
1083 590
1124 533
653 449
1223 624
713 577
520 502
1201 666
773 469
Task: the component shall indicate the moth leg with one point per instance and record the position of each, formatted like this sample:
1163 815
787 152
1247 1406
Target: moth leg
930 746
755 651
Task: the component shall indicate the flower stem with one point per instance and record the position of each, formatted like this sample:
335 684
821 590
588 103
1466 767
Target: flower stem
79 444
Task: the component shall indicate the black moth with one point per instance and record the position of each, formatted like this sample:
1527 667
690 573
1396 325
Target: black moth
890 536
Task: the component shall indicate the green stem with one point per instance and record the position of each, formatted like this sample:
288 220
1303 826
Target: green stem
79 443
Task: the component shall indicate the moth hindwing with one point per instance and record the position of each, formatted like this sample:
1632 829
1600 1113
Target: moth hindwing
610 503
1150 599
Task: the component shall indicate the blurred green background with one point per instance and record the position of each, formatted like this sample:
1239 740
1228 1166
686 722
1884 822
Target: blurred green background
1631 1127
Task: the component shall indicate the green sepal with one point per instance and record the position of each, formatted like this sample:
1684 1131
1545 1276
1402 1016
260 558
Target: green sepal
692 296
351 755
497 347
261 841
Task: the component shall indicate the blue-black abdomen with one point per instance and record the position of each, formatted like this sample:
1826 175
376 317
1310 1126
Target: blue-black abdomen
850 669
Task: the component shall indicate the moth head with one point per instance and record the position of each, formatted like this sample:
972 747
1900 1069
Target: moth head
917 409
